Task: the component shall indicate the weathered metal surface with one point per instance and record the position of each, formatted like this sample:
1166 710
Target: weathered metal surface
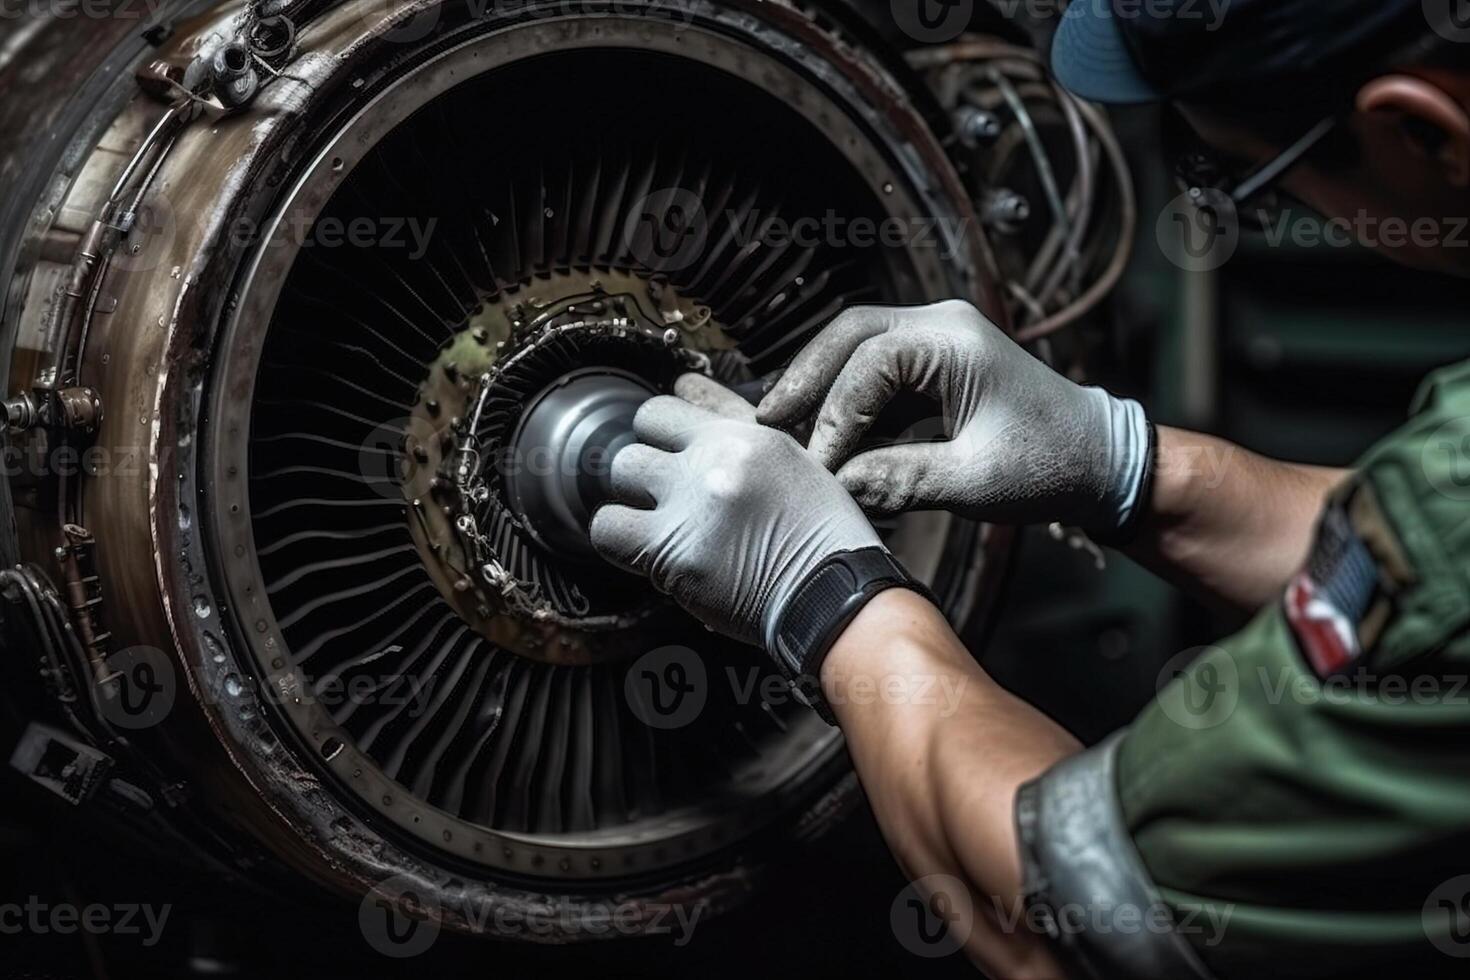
150 350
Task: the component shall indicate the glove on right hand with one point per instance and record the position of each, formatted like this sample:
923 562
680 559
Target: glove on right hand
1025 445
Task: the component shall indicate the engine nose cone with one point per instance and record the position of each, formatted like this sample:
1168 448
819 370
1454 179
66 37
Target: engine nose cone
559 468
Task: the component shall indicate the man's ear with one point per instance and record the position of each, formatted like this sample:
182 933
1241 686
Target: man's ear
1432 123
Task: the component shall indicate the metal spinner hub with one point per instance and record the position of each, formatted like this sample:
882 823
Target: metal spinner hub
509 447
559 468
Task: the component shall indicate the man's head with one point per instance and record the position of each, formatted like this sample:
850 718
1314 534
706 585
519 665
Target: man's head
1254 76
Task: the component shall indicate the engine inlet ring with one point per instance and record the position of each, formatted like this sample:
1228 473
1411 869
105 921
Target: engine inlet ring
409 832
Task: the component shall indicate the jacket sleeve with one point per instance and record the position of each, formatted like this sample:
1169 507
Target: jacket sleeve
1298 797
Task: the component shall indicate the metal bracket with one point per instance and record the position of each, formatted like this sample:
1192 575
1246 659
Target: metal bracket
77 409
60 763
84 596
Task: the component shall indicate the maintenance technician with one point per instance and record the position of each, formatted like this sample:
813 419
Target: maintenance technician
1309 823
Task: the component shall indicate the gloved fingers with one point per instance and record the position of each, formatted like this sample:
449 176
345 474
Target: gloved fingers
874 373
670 423
639 475
896 479
709 393
623 536
812 372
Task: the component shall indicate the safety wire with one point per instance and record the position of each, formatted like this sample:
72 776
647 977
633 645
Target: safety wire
1090 238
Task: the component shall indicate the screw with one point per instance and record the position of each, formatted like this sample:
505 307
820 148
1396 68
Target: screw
1004 210
976 126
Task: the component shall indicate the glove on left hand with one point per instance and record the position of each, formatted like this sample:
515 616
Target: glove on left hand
726 516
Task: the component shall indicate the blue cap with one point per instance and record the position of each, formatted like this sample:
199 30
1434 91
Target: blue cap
1092 60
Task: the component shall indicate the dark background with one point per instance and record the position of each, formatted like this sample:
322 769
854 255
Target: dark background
1308 355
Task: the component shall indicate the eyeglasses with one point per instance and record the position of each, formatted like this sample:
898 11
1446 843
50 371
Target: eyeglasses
1258 202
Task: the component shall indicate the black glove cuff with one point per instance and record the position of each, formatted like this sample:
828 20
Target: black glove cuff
1127 533
822 606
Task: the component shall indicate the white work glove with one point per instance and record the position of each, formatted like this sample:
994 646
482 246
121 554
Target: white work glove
1025 445
726 516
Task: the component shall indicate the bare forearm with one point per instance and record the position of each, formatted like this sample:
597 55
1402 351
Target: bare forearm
1228 523
941 750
